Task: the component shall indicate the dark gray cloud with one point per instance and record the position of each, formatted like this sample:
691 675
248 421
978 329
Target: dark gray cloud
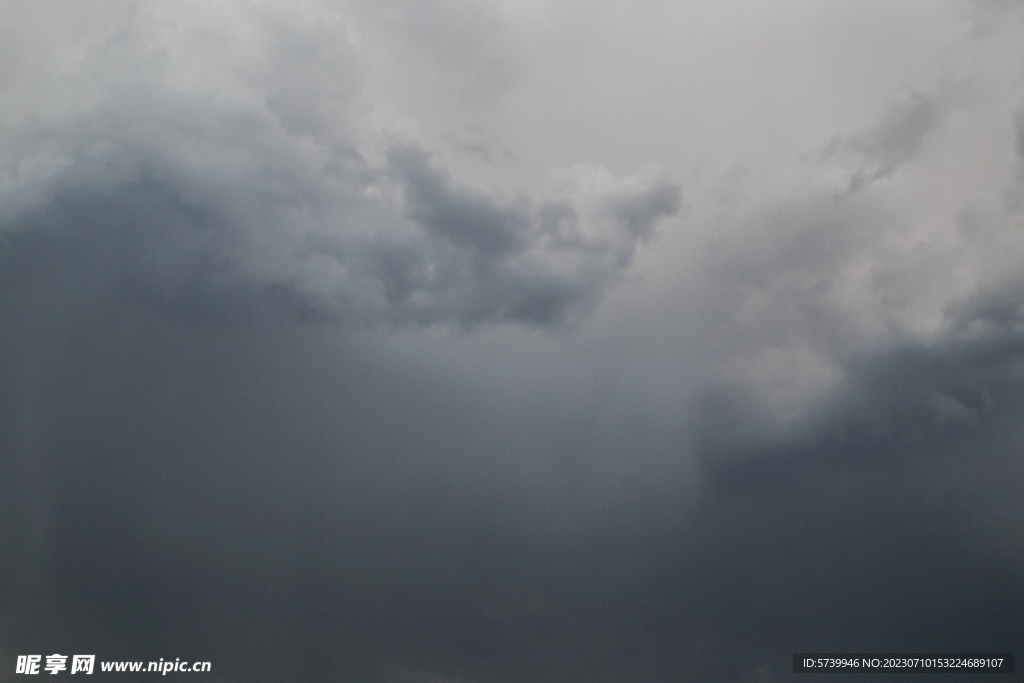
461 257
250 200
838 440
286 506
279 387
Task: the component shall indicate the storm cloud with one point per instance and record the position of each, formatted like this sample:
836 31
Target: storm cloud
224 184
381 342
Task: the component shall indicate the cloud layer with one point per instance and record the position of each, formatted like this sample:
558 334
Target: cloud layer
224 183
325 354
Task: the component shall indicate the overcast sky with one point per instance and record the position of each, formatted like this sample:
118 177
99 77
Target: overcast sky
480 341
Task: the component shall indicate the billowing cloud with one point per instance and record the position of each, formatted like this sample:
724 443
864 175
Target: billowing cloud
226 183
366 341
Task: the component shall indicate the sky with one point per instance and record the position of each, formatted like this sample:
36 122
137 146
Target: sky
481 341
